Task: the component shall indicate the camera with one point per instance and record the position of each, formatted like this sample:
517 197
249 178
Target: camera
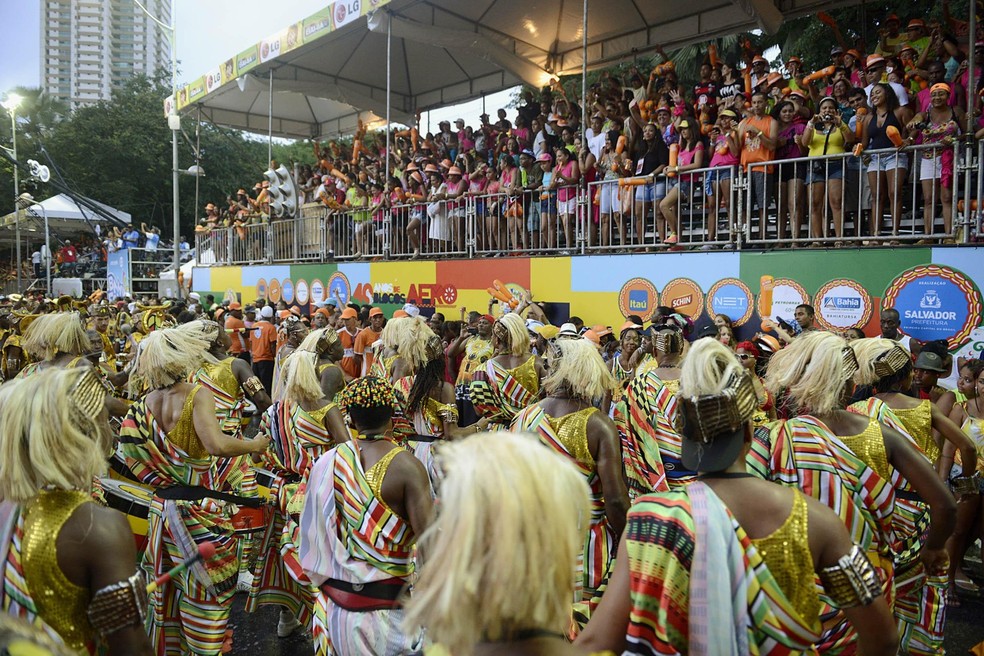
920 126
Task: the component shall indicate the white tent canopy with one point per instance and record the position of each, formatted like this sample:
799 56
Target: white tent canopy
63 214
448 51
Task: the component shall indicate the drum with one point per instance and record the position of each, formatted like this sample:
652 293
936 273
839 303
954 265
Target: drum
133 500
118 469
247 520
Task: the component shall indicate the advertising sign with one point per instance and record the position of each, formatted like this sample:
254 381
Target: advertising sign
842 304
683 295
118 274
638 296
935 302
732 298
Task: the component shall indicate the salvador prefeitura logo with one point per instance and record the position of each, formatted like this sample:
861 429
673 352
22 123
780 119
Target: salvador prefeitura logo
935 302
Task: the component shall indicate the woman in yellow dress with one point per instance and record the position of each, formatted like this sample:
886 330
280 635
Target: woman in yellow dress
510 380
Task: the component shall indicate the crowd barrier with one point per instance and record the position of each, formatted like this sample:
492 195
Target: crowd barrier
878 197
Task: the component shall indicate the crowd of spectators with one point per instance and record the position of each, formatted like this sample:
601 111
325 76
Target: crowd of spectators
656 150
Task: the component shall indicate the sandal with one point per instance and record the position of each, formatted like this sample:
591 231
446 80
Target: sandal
964 584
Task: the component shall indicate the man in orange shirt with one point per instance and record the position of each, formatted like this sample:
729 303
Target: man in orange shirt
367 337
263 347
757 137
346 335
236 328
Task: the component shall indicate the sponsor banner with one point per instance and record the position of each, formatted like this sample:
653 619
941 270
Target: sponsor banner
273 290
842 304
195 90
247 59
213 80
118 274
261 288
316 24
229 70
270 46
301 292
732 298
338 288
318 291
638 296
782 299
287 291
683 295
292 38
423 295
346 11
935 302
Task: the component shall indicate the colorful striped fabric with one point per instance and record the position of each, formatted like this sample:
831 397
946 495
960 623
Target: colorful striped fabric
599 544
674 608
15 597
349 535
805 454
189 613
428 420
499 393
649 419
298 438
230 400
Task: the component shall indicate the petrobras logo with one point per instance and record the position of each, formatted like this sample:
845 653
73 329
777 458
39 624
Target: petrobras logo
842 302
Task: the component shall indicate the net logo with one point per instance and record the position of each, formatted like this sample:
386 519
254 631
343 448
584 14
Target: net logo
842 302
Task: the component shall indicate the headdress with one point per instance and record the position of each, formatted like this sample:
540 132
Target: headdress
710 423
891 362
367 392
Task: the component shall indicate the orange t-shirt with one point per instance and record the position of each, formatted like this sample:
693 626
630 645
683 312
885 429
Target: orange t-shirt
365 339
238 335
752 151
263 341
348 359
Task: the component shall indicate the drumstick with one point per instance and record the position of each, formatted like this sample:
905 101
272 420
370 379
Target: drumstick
206 551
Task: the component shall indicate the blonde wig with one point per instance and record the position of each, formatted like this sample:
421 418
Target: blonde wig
413 343
871 350
167 356
53 433
395 331
485 548
812 371
319 341
576 365
208 330
510 329
708 367
300 377
52 334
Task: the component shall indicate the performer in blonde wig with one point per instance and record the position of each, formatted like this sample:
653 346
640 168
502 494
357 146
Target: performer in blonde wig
76 583
485 547
396 331
510 380
170 439
325 343
920 606
291 332
367 501
568 423
55 340
729 550
817 372
301 426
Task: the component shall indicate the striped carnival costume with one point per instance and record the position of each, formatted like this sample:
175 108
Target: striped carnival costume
192 610
359 553
297 438
499 392
804 454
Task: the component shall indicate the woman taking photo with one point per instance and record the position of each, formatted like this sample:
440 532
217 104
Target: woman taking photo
826 134
886 170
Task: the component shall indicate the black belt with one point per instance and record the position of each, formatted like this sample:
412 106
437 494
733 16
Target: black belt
389 590
909 496
197 493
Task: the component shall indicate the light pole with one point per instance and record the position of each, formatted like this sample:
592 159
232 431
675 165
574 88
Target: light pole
174 123
11 104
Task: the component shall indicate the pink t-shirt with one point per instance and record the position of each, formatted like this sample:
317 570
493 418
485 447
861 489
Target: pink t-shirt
567 191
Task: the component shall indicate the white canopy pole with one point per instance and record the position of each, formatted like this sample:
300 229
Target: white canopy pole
389 62
270 123
584 74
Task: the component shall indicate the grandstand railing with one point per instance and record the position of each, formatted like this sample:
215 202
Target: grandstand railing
630 215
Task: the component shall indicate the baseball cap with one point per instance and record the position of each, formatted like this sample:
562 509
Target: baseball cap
713 425
533 324
874 60
601 330
375 312
544 157
929 361
592 337
630 325
916 23
267 312
349 313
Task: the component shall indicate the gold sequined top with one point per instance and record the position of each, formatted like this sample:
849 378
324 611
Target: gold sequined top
869 445
319 414
221 374
573 434
437 414
673 385
477 353
109 351
525 374
60 603
787 554
376 474
919 422
183 433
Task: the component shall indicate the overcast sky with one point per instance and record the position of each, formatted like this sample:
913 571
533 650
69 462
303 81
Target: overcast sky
209 32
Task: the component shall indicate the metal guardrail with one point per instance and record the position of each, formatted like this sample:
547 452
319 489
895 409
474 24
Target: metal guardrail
824 201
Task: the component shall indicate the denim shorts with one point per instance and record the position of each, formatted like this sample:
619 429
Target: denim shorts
888 162
825 170
715 175
648 193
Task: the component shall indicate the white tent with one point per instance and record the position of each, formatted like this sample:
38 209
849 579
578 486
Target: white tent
448 51
65 217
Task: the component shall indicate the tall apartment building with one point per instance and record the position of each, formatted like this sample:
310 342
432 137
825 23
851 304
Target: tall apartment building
90 47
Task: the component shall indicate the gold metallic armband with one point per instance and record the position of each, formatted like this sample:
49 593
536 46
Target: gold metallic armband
853 581
253 385
119 606
966 484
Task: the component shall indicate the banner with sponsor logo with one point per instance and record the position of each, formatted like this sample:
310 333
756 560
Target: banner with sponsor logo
118 275
319 24
934 289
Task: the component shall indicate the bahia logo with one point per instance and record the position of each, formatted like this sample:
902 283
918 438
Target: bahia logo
842 302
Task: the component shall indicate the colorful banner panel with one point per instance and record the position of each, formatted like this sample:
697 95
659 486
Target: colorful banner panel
935 290
118 274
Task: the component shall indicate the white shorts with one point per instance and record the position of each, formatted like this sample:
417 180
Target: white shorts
930 168
567 206
608 200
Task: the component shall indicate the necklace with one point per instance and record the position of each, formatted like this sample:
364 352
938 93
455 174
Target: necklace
726 475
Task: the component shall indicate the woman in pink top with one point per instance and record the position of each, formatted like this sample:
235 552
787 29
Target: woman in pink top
565 180
724 159
512 205
689 157
522 134
455 188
